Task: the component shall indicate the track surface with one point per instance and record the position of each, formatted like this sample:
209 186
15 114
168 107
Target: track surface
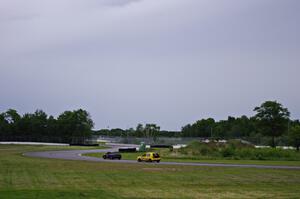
77 155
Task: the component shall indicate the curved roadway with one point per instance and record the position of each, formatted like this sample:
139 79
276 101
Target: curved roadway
77 155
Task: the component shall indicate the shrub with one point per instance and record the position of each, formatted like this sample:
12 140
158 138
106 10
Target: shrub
228 152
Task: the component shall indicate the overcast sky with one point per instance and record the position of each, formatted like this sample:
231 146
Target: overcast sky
169 62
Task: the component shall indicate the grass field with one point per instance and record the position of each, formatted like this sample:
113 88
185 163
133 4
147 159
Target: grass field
133 156
24 177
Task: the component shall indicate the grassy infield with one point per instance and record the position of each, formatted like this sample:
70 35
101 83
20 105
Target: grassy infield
24 177
167 158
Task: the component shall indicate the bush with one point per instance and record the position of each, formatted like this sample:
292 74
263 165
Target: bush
195 148
228 152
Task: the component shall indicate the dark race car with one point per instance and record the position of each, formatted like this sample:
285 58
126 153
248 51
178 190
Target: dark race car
112 155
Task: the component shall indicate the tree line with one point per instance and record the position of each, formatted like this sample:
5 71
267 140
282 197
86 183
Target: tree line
271 123
147 130
69 127
271 120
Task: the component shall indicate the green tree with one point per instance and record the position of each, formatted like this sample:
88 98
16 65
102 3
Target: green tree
76 125
139 130
4 125
52 127
26 125
33 125
152 130
204 127
272 119
10 121
294 136
39 123
12 116
186 131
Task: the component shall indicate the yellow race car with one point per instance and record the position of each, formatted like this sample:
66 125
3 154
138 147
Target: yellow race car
149 157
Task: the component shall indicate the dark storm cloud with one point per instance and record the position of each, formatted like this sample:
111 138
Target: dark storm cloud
170 62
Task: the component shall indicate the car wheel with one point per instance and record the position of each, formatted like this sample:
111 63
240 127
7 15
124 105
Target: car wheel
104 157
119 158
158 161
139 160
150 160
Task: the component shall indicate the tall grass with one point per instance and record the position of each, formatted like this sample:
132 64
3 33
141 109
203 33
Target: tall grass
235 149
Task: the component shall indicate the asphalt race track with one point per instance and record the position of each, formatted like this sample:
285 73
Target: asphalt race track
77 155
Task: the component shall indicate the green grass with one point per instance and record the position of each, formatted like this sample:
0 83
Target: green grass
234 150
166 158
34 178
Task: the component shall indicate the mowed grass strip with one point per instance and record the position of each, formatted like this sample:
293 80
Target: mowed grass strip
24 177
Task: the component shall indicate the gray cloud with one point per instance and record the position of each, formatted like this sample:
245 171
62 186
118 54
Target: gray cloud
120 2
170 62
